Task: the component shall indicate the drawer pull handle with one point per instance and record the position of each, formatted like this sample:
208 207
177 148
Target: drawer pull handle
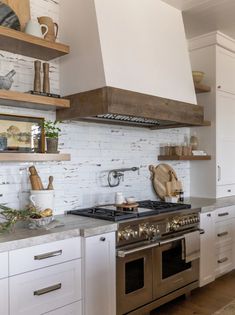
102 239
221 261
222 234
223 214
48 255
48 290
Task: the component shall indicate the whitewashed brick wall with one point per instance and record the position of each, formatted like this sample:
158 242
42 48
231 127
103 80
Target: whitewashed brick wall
95 149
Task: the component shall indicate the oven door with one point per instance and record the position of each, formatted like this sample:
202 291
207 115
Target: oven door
170 271
134 279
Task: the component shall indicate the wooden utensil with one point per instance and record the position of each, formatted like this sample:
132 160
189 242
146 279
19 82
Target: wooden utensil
173 185
160 175
21 9
50 184
35 179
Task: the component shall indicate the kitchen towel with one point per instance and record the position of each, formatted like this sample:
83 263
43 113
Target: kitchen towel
191 246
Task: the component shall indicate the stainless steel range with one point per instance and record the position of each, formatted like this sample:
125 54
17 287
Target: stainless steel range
151 243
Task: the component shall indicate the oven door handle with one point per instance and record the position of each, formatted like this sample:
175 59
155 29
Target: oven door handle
124 253
170 240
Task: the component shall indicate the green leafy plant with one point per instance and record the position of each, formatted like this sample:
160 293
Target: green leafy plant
10 216
51 129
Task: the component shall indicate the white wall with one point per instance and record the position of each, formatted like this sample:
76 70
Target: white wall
94 148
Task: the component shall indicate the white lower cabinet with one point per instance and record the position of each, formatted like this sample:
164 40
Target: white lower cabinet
43 290
100 275
72 309
224 261
207 251
4 297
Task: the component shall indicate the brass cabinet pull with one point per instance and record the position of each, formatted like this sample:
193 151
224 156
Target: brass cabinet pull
223 214
48 290
220 261
222 234
48 255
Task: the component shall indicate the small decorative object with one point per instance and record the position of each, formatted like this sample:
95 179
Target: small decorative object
52 134
194 141
53 28
7 80
45 94
198 76
36 29
50 184
3 143
8 18
23 134
35 179
46 80
37 76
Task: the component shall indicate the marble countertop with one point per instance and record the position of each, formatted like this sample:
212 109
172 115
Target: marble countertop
208 205
73 226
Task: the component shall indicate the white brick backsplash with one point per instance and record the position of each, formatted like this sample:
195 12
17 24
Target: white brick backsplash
95 149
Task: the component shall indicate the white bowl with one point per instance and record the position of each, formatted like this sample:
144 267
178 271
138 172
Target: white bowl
130 200
39 223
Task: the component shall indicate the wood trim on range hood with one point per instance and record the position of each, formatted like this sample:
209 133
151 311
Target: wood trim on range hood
111 105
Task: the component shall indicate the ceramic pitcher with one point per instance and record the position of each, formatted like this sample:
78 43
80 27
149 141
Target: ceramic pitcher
36 29
53 28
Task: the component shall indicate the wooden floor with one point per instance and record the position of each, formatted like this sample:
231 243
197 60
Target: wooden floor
203 301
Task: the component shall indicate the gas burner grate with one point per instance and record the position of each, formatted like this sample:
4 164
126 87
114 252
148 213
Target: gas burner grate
105 214
161 206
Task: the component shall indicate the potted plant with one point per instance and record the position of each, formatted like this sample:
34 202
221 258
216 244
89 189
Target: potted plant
51 131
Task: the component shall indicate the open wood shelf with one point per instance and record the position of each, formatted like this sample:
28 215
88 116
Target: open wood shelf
33 157
184 158
201 88
31 46
19 99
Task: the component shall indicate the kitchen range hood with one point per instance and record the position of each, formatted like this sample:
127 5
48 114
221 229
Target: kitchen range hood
116 106
129 64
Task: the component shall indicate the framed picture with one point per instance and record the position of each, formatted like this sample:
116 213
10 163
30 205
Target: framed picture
21 134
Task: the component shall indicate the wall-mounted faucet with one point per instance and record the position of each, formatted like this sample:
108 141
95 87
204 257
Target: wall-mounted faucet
115 176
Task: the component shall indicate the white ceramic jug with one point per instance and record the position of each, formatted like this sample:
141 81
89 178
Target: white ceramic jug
34 28
42 199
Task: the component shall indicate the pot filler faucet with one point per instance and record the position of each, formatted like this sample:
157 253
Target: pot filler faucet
115 176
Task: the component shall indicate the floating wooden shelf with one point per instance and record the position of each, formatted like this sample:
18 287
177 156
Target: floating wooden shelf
33 157
19 99
201 88
31 46
184 158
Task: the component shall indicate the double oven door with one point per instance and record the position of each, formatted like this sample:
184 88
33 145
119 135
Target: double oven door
151 272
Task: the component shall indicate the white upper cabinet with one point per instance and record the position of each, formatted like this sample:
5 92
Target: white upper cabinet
215 178
225 70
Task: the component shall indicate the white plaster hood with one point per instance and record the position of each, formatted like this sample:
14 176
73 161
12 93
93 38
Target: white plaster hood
134 45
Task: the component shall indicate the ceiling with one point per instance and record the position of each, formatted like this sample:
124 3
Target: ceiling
204 16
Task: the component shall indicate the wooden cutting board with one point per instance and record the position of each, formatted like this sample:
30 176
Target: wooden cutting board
21 9
160 176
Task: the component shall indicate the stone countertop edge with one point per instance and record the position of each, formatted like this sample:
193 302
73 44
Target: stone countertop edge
209 204
74 226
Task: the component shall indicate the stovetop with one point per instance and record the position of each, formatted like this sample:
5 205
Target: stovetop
145 208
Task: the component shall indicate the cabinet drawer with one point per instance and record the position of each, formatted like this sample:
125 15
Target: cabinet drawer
225 191
4 297
225 213
36 257
4 265
44 290
223 233
224 262
72 309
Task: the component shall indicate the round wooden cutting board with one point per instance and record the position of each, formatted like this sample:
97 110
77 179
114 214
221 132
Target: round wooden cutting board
161 174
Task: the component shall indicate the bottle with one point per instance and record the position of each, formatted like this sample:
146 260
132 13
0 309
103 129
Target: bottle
194 141
181 196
